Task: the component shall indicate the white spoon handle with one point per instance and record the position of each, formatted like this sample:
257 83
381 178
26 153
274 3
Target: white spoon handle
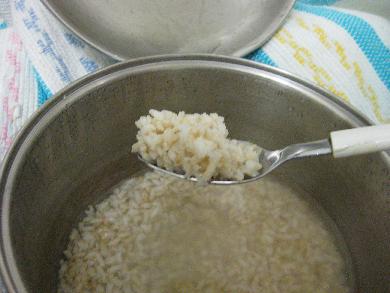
362 140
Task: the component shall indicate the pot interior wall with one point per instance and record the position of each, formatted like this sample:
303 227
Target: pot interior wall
85 150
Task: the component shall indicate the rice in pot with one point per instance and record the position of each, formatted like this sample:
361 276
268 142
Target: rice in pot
160 234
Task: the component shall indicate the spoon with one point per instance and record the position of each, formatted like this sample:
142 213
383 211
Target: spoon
342 143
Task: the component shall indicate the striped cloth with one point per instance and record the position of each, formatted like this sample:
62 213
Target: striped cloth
343 51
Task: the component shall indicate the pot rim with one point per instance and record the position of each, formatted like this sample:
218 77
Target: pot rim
8 268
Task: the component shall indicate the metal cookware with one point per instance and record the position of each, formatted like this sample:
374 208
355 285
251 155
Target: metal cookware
76 147
127 29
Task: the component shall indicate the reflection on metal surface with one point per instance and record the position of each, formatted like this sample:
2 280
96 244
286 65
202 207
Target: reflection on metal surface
127 29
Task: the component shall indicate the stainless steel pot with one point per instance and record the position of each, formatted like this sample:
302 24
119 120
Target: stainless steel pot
78 146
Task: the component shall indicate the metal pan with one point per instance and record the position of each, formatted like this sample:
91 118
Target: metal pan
77 146
126 29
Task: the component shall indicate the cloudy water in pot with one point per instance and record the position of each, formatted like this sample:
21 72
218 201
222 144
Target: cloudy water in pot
155 233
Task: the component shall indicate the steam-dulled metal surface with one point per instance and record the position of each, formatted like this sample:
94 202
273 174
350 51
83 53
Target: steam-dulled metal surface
78 146
127 29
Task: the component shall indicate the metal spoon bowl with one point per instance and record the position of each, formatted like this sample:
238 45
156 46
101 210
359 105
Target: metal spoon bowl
268 159
342 143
